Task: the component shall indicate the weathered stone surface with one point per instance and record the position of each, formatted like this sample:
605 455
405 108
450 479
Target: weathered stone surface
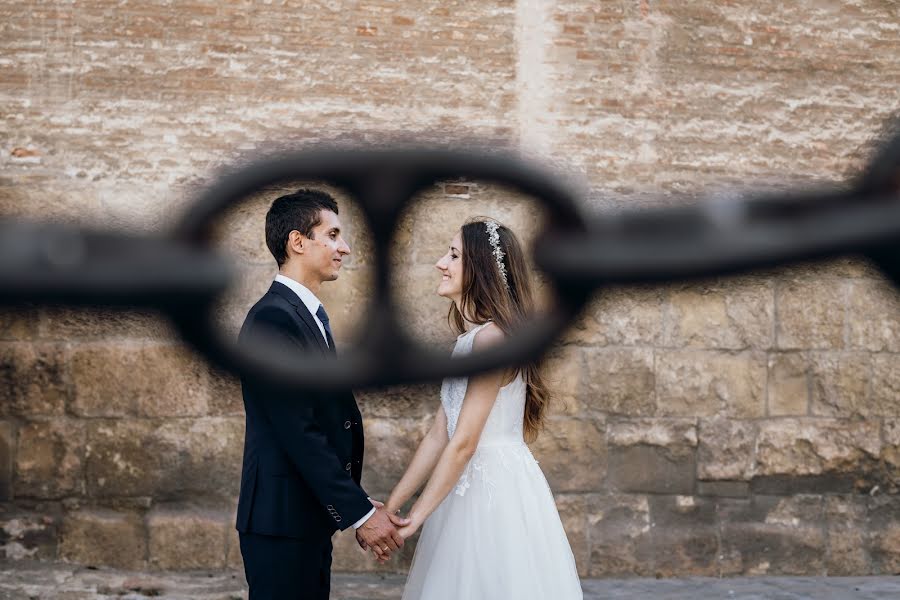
884 533
99 537
207 453
847 385
620 535
891 453
810 314
175 459
225 398
706 383
733 314
50 459
777 536
684 531
346 555
621 381
91 324
7 454
800 447
34 379
572 453
18 324
884 398
621 316
250 283
26 534
390 446
410 401
565 376
789 386
652 456
843 267
233 558
240 231
726 449
185 537
123 458
153 380
723 489
873 316
828 483
573 513
847 536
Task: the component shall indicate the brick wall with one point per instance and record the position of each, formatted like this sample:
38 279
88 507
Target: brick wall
736 426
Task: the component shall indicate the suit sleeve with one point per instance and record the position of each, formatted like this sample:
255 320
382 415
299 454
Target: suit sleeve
295 427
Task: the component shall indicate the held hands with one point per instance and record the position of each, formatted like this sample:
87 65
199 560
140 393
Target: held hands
380 533
406 527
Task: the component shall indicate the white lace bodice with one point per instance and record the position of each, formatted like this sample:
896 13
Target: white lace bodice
504 424
503 429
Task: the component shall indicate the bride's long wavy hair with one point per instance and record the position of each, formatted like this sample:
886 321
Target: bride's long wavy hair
485 297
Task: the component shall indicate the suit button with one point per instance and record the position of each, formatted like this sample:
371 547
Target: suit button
347 467
346 424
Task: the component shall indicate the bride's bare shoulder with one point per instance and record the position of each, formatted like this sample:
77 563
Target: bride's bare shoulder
488 336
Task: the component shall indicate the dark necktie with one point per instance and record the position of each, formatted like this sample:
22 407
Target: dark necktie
323 316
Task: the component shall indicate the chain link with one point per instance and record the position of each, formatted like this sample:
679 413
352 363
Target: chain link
182 276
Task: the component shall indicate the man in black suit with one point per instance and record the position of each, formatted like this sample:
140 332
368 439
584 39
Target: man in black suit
302 452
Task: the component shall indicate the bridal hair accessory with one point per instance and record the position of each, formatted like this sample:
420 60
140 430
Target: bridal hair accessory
499 255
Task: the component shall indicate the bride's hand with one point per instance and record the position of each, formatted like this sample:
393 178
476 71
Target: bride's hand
409 530
398 521
394 513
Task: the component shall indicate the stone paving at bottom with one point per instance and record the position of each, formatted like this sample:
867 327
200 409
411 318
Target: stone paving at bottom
22 580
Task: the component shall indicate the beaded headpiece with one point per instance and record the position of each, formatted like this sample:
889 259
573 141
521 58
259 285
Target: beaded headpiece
499 255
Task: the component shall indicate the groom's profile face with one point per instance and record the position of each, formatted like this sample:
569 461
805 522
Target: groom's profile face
323 254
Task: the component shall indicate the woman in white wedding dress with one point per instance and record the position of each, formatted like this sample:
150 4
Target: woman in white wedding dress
491 528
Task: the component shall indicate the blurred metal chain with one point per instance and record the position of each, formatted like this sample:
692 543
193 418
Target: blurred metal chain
183 277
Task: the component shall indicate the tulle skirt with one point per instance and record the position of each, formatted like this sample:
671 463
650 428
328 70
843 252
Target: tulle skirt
496 535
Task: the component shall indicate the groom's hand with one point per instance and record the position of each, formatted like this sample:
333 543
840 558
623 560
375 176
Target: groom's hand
380 534
359 540
396 519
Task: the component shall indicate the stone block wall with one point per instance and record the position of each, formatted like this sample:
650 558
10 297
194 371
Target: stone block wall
737 426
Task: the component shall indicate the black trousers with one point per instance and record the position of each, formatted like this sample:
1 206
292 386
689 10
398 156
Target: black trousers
281 568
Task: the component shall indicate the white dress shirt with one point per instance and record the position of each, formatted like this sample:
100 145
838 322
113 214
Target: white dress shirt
312 304
308 299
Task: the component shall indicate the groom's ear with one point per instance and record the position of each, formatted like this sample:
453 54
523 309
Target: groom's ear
295 241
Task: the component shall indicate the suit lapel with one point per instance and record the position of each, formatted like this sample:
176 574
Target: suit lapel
303 312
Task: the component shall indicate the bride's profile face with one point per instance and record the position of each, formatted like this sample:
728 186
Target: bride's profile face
450 266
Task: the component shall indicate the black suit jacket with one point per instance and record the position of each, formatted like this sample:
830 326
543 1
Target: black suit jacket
303 453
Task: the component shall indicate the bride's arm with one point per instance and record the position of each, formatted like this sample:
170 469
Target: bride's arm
423 462
481 393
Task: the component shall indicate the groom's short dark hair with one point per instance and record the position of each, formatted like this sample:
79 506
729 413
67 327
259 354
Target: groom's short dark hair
299 211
